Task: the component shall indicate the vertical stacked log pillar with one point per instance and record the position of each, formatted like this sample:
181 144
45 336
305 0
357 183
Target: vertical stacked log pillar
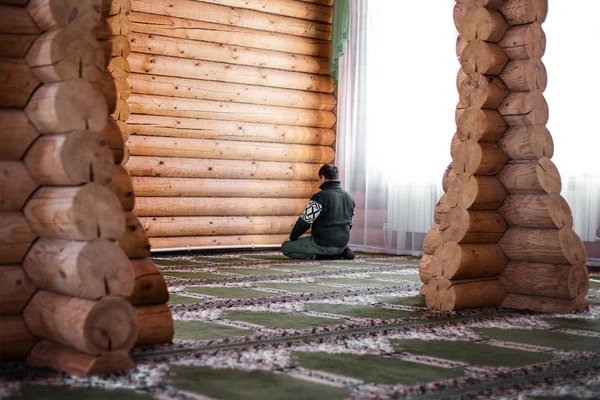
17 32
80 311
150 293
503 176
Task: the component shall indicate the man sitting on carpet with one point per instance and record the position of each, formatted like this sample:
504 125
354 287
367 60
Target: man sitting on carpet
330 212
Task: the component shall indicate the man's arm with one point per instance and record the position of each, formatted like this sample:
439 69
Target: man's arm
310 215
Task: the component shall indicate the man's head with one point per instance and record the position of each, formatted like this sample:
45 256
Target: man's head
329 172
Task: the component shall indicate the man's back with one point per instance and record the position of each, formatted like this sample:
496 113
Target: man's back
332 226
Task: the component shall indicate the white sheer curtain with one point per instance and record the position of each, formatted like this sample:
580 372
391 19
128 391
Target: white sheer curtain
396 116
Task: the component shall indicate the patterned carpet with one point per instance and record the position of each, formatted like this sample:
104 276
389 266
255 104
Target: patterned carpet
258 326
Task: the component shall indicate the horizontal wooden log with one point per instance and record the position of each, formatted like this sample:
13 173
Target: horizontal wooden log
153 125
50 15
219 110
64 54
523 75
522 42
67 106
150 286
77 213
227 34
484 24
480 125
213 71
115 46
16 185
221 206
113 137
432 240
115 25
465 293
531 176
16 339
47 354
543 211
135 240
16 134
552 246
211 241
89 270
115 7
545 304
441 209
122 188
226 169
482 91
213 226
479 158
51 159
126 155
449 174
229 92
219 52
527 142
519 12
548 280
230 150
524 108
91 327
465 261
17 21
15 290
475 192
156 325
16 237
295 9
18 82
239 17
472 227
425 268
484 57
15 45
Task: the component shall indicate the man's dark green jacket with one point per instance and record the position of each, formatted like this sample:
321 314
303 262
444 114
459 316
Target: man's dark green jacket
330 212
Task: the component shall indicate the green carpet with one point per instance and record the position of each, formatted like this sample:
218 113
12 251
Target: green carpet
204 330
230 292
175 299
279 320
252 271
43 392
403 277
542 338
234 384
360 311
594 283
470 353
306 268
415 301
267 257
359 282
376 369
194 275
175 263
222 260
301 287
573 323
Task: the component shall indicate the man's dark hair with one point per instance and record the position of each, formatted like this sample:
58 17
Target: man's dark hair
330 172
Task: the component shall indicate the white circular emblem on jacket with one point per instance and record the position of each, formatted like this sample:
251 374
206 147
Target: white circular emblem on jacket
312 212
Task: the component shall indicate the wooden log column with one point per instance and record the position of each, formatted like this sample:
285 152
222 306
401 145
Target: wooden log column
502 167
149 294
462 259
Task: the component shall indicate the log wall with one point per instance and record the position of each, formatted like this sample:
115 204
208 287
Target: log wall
231 114
503 234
